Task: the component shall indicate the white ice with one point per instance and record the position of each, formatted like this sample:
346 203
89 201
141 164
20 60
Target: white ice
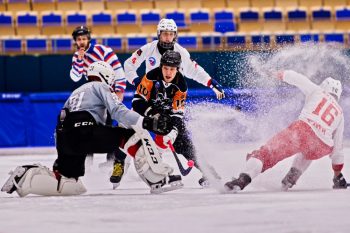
312 206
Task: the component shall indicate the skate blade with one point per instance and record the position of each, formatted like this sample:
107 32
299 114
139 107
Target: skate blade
172 186
235 189
115 185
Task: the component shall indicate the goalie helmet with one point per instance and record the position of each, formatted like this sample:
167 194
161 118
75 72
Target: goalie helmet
168 25
81 31
332 86
171 58
103 71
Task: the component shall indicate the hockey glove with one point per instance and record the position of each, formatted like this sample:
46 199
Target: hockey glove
136 81
217 88
339 182
159 124
163 140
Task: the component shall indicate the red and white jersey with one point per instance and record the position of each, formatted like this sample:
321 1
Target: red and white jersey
321 112
151 55
98 52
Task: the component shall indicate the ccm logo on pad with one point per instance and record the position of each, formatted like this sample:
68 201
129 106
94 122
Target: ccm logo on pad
84 123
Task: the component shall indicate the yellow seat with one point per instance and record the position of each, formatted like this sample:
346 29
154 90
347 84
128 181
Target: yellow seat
237 4
126 27
310 3
70 26
200 25
18 6
187 4
342 23
3 6
24 28
211 4
249 25
43 6
273 25
117 5
71 5
261 4
284 4
322 24
99 28
165 4
139 5
55 28
92 5
298 24
7 29
335 3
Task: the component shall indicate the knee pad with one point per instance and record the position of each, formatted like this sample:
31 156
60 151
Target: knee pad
147 160
40 180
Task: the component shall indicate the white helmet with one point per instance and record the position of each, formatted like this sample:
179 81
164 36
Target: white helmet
332 86
102 70
167 25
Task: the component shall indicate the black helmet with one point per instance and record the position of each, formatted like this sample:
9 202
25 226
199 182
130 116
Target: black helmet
171 58
80 31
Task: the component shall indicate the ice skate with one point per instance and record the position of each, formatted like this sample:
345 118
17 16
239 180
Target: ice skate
291 178
238 184
15 176
204 181
118 172
173 183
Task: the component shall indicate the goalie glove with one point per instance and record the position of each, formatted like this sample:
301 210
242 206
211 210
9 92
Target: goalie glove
159 124
339 182
162 141
217 88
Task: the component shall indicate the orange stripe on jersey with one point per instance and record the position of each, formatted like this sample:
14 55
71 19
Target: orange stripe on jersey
145 87
179 100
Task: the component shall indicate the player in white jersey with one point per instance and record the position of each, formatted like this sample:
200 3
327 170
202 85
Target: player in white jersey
81 130
151 53
316 133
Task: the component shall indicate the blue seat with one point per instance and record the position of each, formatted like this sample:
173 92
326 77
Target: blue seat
212 40
127 17
6 24
334 37
12 45
321 14
51 19
297 15
224 26
135 42
27 19
235 40
178 17
199 16
249 15
342 14
36 45
150 17
61 44
260 39
223 15
285 38
27 23
115 42
188 41
309 37
273 15
76 18
101 18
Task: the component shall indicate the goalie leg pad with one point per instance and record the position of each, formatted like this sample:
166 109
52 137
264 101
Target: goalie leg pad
40 180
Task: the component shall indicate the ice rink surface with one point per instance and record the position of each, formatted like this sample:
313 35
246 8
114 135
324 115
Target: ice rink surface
312 206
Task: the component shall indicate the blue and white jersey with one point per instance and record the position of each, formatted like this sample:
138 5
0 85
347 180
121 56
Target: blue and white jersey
98 52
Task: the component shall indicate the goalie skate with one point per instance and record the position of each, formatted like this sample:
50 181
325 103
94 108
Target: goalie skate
15 176
174 183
